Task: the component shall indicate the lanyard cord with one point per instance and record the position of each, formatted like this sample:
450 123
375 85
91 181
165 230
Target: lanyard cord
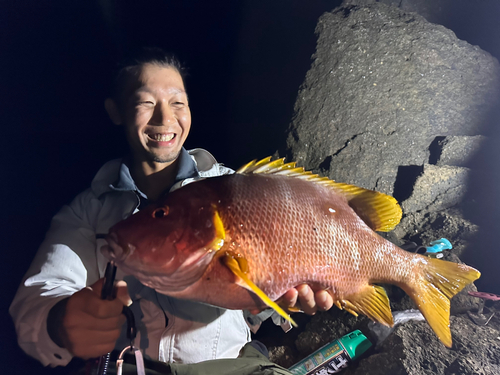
139 361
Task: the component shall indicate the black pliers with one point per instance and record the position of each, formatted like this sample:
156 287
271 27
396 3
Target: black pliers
107 293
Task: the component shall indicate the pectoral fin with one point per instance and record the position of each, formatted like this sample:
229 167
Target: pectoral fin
220 232
234 265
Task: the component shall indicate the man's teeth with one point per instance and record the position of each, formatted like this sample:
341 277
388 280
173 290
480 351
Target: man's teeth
162 137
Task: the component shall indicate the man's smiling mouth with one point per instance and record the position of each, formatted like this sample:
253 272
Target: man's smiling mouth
161 137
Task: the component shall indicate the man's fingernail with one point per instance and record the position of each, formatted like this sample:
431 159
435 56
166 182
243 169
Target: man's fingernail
322 297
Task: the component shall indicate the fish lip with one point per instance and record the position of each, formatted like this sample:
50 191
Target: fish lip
113 251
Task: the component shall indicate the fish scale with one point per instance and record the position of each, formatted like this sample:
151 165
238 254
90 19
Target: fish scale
259 243
304 211
241 241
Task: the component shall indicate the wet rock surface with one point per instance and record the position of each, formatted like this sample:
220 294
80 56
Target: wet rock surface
397 104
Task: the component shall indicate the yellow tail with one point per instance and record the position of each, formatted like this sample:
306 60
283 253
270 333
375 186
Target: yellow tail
439 282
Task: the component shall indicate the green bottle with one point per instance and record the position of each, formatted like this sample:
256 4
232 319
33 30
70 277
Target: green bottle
333 357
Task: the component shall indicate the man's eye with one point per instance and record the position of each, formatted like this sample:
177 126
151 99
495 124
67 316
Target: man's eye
145 103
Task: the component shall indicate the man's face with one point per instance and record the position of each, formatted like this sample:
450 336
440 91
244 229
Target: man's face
156 114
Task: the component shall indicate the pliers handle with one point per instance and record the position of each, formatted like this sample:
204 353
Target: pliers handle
107 293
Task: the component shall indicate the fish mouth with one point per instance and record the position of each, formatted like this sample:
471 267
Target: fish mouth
113 251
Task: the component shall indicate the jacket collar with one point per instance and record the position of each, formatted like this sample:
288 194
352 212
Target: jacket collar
115 175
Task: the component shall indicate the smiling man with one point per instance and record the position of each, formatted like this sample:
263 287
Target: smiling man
155 112
57 310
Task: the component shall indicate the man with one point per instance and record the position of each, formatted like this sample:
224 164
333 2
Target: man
57 310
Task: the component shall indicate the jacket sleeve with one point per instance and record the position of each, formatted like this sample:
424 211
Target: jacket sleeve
65 263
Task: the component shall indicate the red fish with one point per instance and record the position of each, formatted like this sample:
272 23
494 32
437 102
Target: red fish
241 241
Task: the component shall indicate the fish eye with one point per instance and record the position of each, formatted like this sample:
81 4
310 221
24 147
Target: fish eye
160 212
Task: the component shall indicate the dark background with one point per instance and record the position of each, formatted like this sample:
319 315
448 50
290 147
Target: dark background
246 59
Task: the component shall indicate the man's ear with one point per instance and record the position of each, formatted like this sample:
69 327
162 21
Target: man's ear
113 112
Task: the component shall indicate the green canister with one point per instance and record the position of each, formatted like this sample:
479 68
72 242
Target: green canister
333 357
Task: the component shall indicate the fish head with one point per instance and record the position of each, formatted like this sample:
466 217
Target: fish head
167 245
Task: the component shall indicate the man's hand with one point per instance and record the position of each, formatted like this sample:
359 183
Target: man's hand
304 298
90 326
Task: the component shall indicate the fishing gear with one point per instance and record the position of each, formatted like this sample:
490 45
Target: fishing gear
131 334
101 365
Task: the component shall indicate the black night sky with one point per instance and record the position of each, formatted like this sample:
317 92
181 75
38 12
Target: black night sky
246 60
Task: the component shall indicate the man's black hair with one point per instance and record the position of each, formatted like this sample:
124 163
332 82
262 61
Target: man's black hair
134 60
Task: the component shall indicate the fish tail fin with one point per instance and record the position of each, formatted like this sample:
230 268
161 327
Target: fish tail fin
440 280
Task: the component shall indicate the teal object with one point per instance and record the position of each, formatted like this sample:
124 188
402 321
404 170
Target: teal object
355 343
439 245
334 356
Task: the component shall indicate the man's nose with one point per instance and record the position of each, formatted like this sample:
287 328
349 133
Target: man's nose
163 115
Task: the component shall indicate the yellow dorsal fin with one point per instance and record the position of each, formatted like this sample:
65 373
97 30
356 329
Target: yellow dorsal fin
246 283
379 211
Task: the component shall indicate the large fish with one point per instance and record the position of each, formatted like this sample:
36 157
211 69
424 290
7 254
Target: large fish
241 241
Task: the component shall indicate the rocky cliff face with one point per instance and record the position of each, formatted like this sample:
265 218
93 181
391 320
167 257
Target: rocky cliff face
397 104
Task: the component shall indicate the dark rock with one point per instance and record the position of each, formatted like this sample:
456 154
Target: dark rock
436 189
411 350
467 18
383 86
425 227
458 150
463 302
478 344
282 355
